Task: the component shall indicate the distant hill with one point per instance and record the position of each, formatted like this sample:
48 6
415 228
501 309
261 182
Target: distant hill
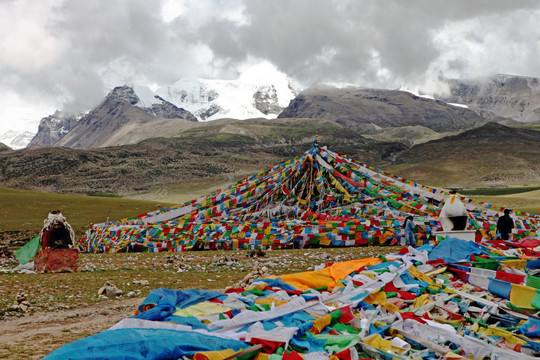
369 110
217 151
491 155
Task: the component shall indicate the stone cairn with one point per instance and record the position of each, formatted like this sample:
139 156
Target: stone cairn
224 260
177 262
6 256
258 271
21 303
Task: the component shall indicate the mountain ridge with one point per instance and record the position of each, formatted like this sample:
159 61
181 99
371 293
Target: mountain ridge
261 91
372 111
508 96
53 128
120 111
362 109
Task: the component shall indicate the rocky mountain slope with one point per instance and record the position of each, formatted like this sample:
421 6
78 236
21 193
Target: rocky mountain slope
120 112
515 97
370 110
53 128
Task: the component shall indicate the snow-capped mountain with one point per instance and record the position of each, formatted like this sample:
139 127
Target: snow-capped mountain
259 92
122 106
16 139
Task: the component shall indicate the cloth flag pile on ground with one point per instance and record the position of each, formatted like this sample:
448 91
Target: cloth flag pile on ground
455 300
321 198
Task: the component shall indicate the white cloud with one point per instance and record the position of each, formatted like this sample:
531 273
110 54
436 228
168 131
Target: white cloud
491 44
27 46
18 115
172 9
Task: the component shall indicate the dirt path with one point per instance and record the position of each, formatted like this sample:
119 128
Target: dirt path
33 336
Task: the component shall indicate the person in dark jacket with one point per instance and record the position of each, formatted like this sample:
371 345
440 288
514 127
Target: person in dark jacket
410 239
505 224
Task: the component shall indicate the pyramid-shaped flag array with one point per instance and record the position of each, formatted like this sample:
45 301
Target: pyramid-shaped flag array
321 198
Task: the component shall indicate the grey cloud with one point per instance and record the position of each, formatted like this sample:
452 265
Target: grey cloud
293 35
109 43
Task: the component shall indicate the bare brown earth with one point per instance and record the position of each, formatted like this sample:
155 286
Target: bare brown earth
34 336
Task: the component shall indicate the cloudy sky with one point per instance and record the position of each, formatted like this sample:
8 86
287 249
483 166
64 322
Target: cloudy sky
62 54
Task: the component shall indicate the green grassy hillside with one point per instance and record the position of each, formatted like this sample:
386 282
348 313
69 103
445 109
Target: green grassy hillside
490 156
530 126
524 201
26 210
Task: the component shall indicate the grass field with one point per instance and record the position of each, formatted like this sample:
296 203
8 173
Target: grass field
523 201
499 191
200 270
26 210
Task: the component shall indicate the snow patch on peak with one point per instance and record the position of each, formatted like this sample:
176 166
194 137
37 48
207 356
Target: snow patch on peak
459 105
415 92
147 98
425 96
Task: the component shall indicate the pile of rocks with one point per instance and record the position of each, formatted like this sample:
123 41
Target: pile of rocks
109 290
258 272
7 258
181 267
224 260
177 262
21 303
256 253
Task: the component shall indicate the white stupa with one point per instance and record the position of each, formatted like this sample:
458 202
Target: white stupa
454 218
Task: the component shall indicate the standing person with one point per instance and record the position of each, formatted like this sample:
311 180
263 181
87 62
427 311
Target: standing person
505 224
408 225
